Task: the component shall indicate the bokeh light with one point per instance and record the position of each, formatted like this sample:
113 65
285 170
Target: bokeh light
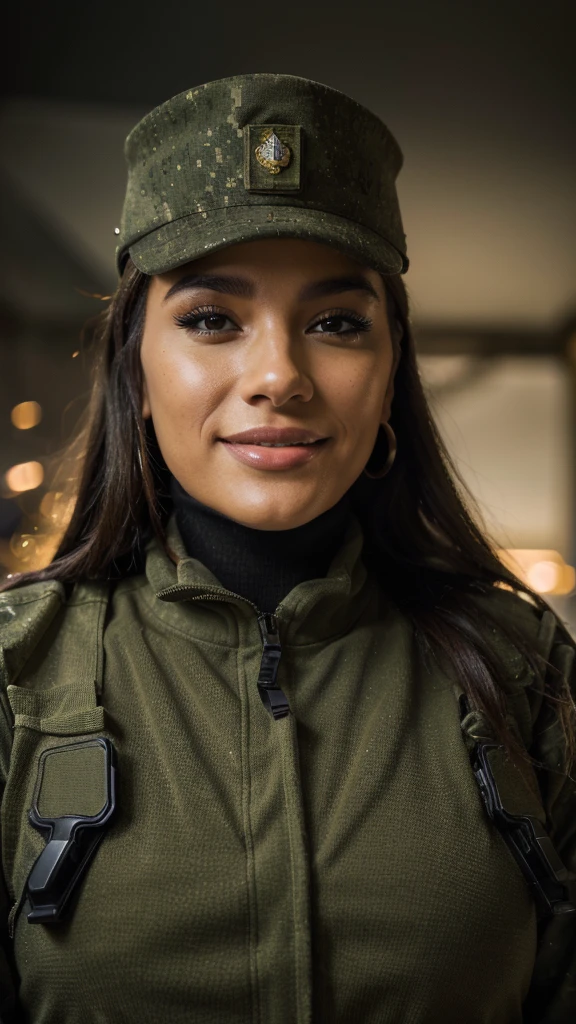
26 415
544 576
26 476
544 571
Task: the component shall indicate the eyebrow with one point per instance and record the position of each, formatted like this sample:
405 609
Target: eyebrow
242 288
238 286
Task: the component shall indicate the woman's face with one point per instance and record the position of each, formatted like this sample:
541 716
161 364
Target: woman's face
268 368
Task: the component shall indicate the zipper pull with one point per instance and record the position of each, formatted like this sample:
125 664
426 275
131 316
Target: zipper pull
273 698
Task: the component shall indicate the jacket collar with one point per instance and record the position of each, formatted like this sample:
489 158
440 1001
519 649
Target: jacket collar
313 610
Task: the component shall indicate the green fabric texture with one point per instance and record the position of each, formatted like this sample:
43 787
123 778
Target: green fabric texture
72 782
260 156
334 865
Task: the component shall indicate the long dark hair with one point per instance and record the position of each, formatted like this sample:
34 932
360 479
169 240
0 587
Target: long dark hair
421 524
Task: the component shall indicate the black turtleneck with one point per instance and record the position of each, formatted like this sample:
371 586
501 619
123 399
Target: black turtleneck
261 565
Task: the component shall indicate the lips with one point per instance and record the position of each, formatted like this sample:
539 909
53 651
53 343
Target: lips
274 448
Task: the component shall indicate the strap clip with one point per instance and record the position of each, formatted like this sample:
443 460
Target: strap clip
81 774
527 840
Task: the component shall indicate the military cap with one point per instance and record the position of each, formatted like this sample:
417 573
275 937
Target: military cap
260 156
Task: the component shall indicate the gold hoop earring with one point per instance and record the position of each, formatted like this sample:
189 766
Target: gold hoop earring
392 449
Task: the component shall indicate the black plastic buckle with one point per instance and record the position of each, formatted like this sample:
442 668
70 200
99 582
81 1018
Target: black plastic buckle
72 839
527 841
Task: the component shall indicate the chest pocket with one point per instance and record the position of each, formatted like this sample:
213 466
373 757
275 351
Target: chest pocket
68 718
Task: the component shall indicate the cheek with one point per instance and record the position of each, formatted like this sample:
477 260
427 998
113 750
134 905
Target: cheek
183 387
353 385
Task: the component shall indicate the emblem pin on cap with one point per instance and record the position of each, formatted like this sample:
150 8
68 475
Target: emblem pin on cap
273 154
272 157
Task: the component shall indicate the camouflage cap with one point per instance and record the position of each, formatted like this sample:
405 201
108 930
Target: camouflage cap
260 156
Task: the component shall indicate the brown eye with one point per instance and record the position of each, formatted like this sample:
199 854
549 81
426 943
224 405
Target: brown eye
331 326
214 322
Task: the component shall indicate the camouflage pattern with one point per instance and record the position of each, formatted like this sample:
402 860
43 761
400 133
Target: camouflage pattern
260 156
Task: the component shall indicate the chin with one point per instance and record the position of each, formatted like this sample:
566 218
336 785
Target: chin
272 514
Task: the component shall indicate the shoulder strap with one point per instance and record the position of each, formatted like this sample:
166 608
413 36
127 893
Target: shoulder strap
513 804
65 647
512 800
26 613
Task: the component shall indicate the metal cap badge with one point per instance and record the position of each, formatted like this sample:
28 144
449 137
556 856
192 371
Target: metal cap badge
272 155
260 156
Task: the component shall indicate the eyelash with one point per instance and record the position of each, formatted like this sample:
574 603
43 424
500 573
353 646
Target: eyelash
189 320
360 324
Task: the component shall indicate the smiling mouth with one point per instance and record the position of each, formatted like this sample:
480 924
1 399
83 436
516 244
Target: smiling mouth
275 448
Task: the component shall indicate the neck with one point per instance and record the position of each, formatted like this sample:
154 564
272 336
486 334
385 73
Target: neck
260 565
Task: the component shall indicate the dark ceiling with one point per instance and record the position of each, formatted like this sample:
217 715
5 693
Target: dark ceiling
493 59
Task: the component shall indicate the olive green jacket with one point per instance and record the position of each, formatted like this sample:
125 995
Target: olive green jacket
336 864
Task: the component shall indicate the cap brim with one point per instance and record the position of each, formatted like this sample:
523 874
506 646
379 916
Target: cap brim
189 238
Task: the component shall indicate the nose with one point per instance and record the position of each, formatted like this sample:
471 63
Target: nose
275 367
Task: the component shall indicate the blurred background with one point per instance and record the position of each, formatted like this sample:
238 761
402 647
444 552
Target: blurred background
481 98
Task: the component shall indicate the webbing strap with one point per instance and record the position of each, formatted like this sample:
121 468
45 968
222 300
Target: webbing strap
72 657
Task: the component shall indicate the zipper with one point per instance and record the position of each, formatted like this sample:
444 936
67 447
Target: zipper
273 697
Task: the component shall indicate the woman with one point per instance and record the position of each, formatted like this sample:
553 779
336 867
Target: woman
274 616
